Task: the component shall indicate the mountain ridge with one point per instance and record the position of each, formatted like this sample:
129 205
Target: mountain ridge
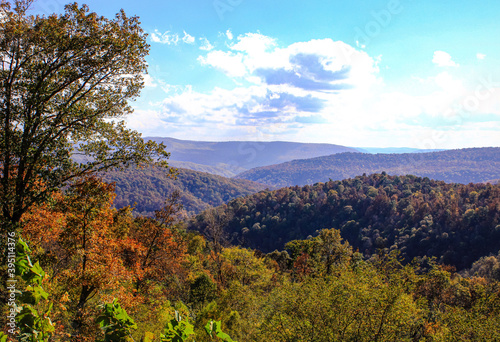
149 187
461 165
235 156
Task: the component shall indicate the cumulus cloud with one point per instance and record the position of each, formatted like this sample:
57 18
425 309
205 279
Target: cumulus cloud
321 64
228 62
324 89
443 59
449 84
307 72
288 88
229 35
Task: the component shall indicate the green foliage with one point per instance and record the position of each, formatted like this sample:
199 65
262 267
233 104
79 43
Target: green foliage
148 187
213 328
33 316
115 323
202 289
177 330
354 305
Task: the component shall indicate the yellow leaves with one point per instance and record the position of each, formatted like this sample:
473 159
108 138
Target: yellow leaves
242 265
65 297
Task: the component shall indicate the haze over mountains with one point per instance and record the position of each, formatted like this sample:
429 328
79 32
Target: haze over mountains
229 158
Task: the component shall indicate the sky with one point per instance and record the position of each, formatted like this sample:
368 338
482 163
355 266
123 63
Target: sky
361 73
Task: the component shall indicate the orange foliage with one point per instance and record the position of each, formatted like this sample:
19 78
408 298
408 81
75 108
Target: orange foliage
155 249
301 266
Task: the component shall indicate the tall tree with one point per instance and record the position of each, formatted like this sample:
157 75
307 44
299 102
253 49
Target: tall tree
65 82
83 243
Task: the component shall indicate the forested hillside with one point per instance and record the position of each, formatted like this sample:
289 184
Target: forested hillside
149 187
453 166
417 216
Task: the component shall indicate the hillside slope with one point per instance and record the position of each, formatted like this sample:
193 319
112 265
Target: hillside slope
455 166
418 216
149 187
233 157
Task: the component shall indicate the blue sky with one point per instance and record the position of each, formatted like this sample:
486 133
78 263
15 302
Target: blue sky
421 74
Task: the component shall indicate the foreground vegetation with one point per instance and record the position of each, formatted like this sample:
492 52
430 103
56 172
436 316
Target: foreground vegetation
99 261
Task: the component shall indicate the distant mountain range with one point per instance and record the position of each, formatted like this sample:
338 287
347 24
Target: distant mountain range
454 166
212 173
229 158
394 150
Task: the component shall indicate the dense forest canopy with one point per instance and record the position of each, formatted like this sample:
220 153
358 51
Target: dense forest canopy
112 277
417 216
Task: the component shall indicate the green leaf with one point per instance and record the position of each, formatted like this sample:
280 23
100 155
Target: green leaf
209 328
217 327
115 322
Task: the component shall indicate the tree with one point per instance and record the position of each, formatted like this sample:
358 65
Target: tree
65 83
82 245
88 252
158 248
216 221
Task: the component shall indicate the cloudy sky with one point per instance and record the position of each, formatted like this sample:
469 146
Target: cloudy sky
363 73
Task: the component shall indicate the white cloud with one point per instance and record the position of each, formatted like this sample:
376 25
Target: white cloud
171 38
251 42
323 91
147 121
205 44
188 39
443 59
449 84
229 35
257 58
230 63
480 56
164 38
